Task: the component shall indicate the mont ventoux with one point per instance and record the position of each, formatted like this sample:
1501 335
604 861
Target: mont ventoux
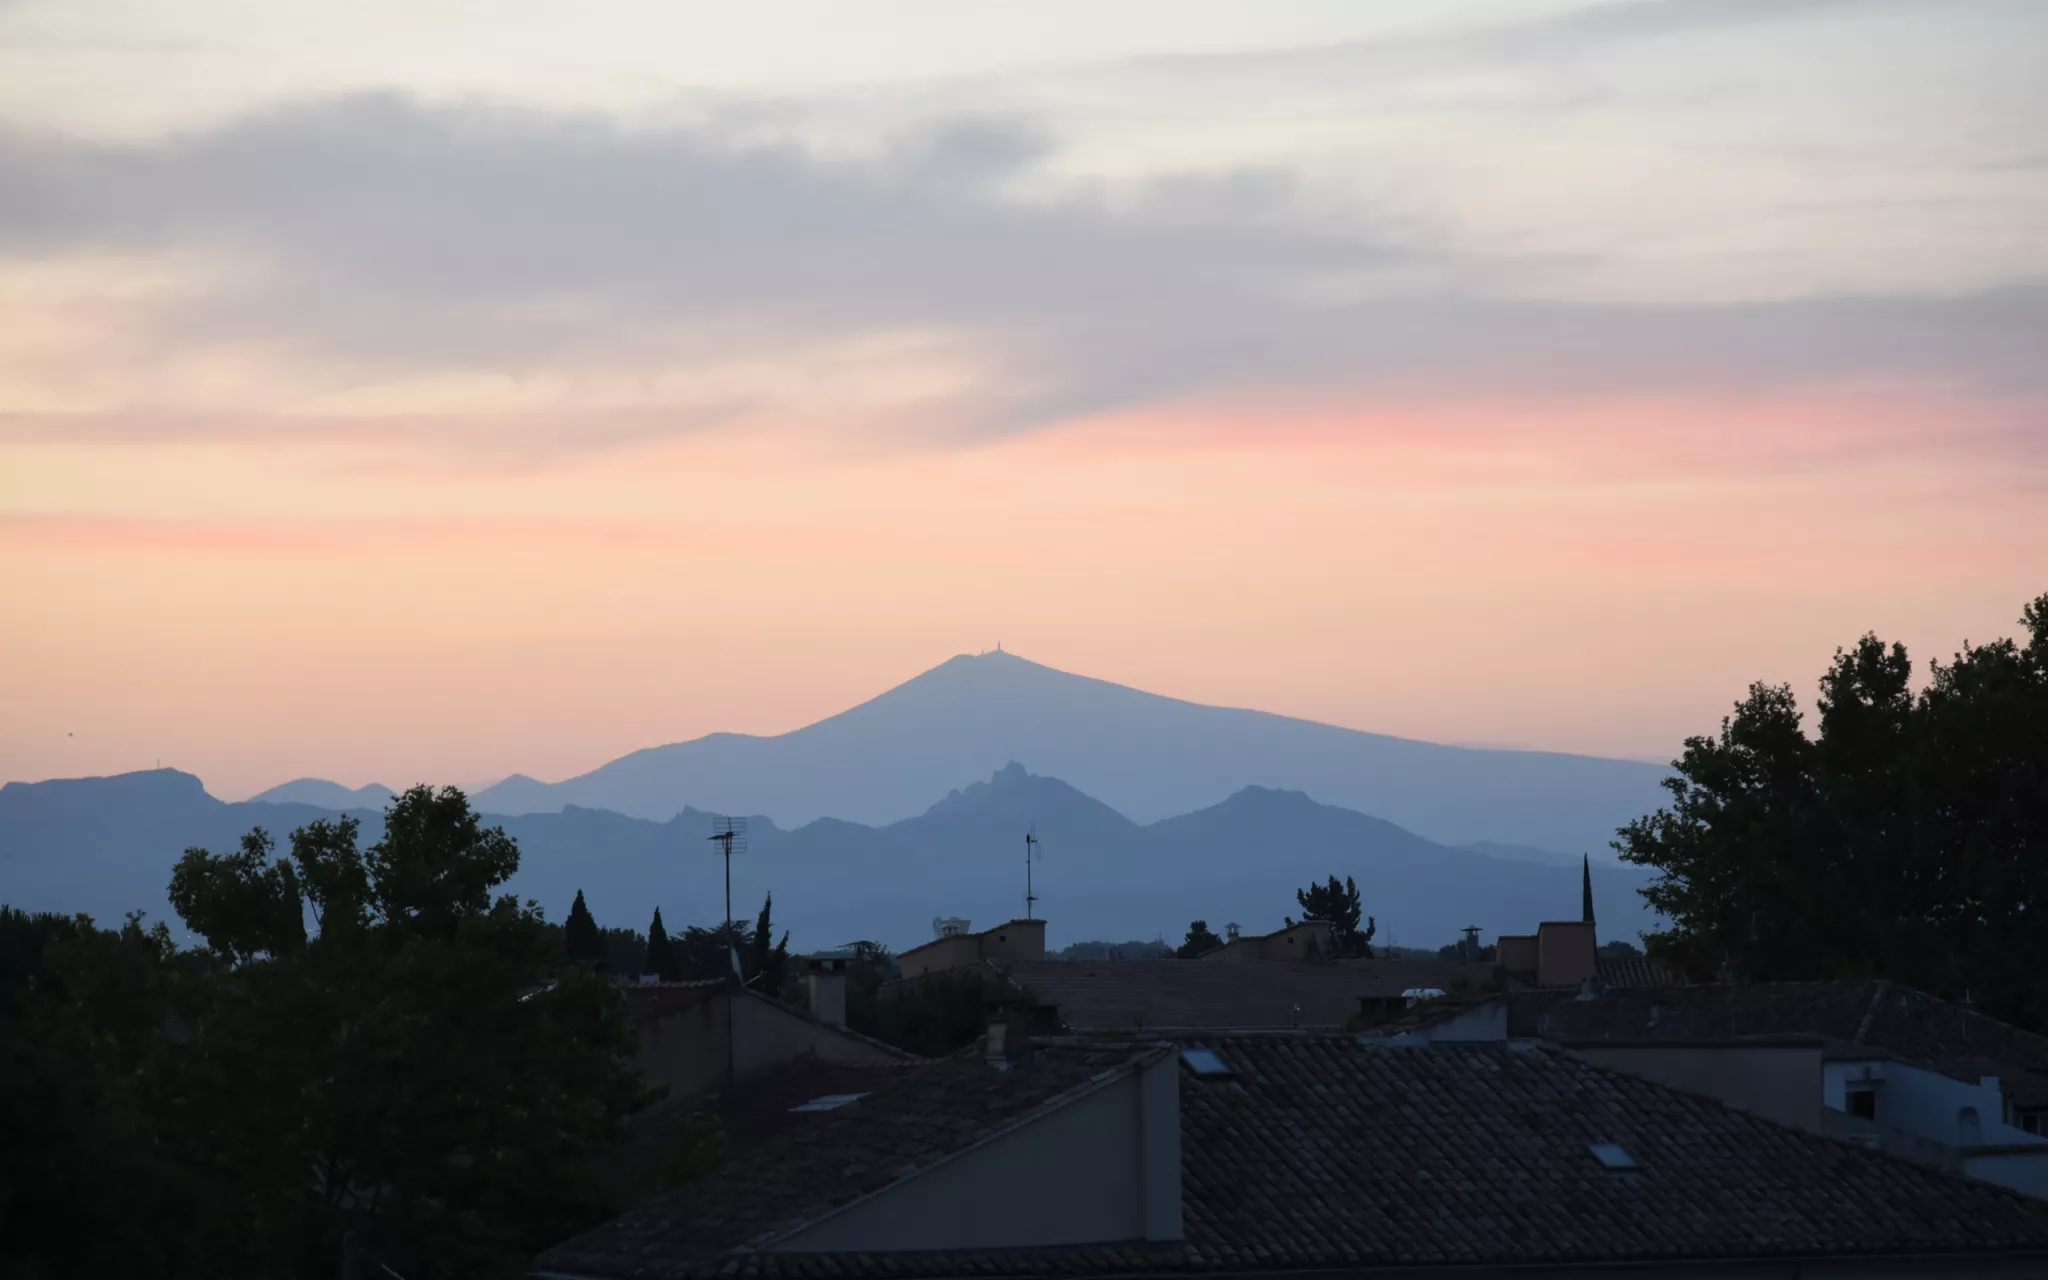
1153 812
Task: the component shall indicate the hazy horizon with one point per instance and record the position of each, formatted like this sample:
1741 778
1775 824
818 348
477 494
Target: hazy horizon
403 392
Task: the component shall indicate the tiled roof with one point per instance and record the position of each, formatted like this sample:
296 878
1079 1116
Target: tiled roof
653 1001
1908 1025
1634 971
1427 1014
760 1108
1325 1153
1137 995
917 1120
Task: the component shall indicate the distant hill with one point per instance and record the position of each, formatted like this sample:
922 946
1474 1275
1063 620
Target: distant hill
326 795
1145 756
106 845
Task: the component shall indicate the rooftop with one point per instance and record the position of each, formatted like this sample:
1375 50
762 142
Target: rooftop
1314 1152
836 1156
978 933
1182 995
1853 1017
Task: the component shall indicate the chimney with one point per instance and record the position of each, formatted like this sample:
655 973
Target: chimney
1009 1042
1011 1026
825 980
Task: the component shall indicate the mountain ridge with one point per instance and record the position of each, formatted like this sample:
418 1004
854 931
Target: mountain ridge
106 846
1146 755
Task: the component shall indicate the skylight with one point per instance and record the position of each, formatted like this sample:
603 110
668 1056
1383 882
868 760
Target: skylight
1204 1062
1612 1157
830 1102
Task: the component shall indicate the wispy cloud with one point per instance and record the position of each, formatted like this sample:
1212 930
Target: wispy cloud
394 239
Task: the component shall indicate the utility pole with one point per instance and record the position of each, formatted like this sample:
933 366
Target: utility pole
1030 898
724 840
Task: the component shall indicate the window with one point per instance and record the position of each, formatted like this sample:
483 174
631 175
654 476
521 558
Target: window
830 1102
1612 1157
1863 1103
1204 1062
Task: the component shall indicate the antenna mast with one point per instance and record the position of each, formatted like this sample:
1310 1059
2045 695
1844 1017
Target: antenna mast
1030 844
730 835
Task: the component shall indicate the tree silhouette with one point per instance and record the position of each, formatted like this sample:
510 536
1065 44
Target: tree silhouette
1338 904
580 937
662 960
1199 939
1903 840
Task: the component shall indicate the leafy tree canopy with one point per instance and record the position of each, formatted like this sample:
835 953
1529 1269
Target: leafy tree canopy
1199 939
1903 840
1339 905
421 1068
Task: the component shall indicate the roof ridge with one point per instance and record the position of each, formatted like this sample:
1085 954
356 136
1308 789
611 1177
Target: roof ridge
903 1054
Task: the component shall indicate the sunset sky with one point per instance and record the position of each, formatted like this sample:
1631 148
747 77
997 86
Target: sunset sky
413 390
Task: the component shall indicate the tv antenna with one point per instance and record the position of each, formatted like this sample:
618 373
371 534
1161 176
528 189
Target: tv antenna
730 835
1031 846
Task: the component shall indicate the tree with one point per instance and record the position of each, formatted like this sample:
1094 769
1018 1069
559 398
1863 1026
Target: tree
425 1071
1901 840
87 1187
1338 904
767 967
580 939
1199 939
244 904
661 953
1460 953
1619 950
624 951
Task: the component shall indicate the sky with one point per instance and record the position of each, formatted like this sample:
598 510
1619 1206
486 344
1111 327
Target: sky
429 390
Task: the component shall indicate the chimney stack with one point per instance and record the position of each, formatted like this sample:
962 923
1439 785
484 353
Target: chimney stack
1011 1027
825 979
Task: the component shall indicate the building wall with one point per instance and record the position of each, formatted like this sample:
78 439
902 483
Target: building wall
939 955
1516 953
2022 1171
1105 1168
1013 940
686 1050
1778 1082
1290 943
1565 953
1017 940
1929 1105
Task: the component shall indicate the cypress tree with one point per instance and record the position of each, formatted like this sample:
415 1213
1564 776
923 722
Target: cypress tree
762 944
579 934
661 953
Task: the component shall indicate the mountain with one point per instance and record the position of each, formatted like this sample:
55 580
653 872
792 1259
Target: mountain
1529 853
1147 757
106 845
326 795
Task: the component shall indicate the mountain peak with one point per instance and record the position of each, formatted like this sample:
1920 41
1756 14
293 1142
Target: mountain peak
1020 795
322 794
1145 756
